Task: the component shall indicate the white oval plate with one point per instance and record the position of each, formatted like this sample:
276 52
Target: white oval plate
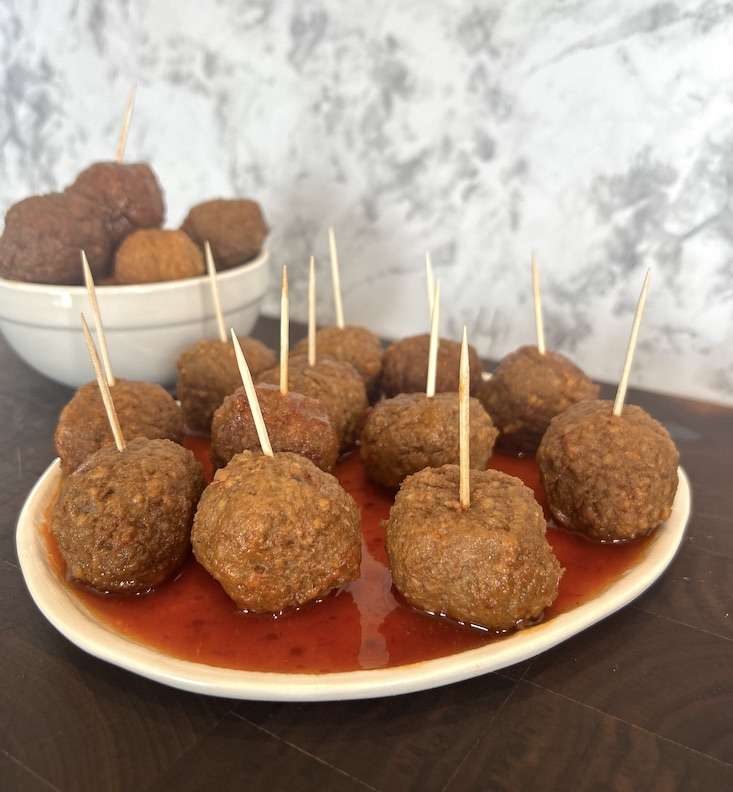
69 616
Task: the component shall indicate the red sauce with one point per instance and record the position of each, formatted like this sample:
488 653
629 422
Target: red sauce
363 626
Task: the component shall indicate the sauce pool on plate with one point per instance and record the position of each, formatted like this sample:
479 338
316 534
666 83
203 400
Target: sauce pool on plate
363 626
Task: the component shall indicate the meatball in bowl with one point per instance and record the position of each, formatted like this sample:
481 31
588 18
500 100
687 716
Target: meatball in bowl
151 285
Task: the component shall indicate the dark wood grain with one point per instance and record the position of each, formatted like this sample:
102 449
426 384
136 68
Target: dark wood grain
434 730
650 672
544 741
696 591
237 755
640 701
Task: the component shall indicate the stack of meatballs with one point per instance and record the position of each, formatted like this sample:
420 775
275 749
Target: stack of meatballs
114 212
279 531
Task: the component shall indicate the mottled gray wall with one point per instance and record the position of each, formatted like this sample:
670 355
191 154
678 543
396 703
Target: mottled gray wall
599 133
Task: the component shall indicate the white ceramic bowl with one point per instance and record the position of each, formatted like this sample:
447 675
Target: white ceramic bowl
147 326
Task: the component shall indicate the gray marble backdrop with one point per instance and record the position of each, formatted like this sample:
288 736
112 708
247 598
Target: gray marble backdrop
599 134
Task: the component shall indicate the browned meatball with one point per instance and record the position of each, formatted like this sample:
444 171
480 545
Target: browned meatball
294 423
144 410
612 477
235 229
355 345
527 390
44 234
152 255
411 432
123 519
129 193
489 565
405 366
208 373
276 532
335 384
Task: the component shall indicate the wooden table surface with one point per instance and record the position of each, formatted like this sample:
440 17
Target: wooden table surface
643 700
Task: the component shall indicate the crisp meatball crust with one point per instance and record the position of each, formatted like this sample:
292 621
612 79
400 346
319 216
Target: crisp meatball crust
294 423
128 192
208 373
153 255
405 366
613 478
350 344
527 390
276 532
44 234
123 519
411 431
235 229
335 384
143 409
489 565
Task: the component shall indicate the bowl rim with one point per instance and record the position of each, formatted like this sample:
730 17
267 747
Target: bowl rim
132 289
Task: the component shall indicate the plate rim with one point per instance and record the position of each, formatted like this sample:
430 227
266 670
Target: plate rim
98 640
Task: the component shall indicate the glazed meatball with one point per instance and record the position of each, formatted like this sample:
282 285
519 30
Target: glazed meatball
235 229
489 565
294 423
611 477
153 255
276 532
411 431
143 409
405 366
44 234
355 345
527 390
123 519
335 384
208 373
129 193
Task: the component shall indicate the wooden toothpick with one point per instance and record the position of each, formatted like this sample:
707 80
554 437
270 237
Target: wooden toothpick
312 312
430 281
211 269
122 140
434 341
335 278
284 335
109 406
464 464
538 307
618 404
254 404
97 317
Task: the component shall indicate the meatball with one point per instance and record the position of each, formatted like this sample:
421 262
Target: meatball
489 565
527 390
152 255
208 373
123 519
335 384
294 423
235 229
128 193
411 432
144 410
355 345
44 234
611 477
405 366
276 532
